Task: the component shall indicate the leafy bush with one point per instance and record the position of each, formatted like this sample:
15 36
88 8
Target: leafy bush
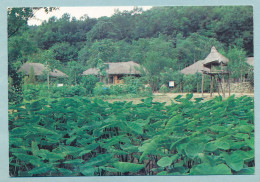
131 85
14 95
146 92
30 92
89 82
164 89
68 91
101 89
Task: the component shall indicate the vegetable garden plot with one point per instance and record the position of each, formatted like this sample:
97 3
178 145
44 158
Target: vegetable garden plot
79 137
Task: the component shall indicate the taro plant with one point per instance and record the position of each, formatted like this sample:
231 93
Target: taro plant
77 136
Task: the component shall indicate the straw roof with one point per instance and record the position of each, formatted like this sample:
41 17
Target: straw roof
194 68
250 61
39 69
214 57
117 68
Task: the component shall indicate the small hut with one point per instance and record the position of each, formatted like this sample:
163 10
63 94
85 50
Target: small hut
116 70
217 65
39 70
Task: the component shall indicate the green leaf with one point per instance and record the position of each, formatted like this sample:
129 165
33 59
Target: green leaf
241 136
167 161
234 161
135 127
39 170
45 131
247 171
189 96
245 128
148 148
101 159
35 149
64 171
24 157
84 152
193 149
172 122
88 171
75 161
178 98
206 169
222 145
128 167
109 169
163 173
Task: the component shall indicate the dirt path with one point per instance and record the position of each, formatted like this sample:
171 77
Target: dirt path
159 97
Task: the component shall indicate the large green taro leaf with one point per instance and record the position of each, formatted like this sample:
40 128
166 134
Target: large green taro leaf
128 167
167 161
247 171
206 169
193 149
212 146
234 161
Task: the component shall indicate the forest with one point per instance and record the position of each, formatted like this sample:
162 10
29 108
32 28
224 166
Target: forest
74 131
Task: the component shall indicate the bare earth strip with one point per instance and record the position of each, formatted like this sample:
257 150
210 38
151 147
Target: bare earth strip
159 97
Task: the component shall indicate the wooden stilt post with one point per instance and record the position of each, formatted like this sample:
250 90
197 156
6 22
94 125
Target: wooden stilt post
220 82
223 85
216 79
202 83
211 85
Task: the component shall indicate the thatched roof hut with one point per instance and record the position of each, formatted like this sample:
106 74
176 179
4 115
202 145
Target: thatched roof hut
250 61
39 69
214 58
194 68
117 68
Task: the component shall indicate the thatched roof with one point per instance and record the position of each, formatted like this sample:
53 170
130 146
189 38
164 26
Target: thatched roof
117 68
194 68
250 61
214 57
39 69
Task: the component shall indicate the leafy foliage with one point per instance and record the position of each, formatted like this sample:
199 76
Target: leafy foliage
78 136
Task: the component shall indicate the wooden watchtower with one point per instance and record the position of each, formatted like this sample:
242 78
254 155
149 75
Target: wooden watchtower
218 68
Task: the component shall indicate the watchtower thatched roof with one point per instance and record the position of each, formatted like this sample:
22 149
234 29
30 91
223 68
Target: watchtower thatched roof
39 69
117 68
214 58
194 68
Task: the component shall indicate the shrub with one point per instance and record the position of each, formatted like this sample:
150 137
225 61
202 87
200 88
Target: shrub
68 91
147 91
89 82
101 89
30 92
164 89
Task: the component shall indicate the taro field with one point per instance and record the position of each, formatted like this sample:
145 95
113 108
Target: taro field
82 137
